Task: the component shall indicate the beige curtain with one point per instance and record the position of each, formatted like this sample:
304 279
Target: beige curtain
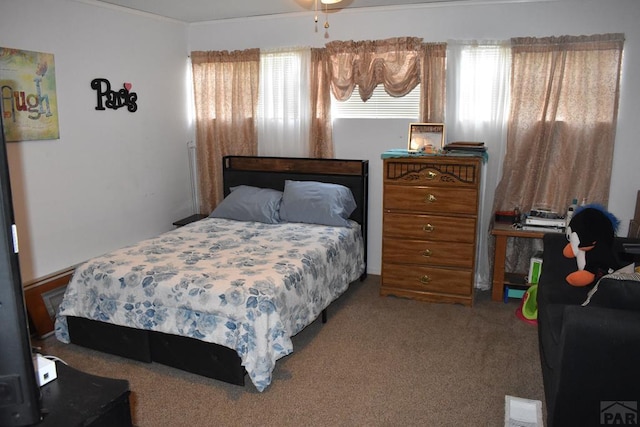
321 139
226 97
564 105
433 78
560 138
395 63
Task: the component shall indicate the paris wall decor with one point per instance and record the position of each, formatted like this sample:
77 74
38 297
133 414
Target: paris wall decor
108 98
28 100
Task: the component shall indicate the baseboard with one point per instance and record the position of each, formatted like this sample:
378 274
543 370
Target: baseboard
42 298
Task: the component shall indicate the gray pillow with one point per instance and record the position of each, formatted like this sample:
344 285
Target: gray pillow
246 203
316 203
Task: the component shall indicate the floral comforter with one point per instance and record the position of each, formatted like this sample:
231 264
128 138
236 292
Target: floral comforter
248 286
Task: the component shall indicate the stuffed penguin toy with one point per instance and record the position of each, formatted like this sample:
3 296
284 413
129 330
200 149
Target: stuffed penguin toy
591 233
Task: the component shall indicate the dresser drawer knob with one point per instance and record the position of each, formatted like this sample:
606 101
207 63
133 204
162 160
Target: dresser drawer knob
428 228
431 175
430 198
425 279
427 253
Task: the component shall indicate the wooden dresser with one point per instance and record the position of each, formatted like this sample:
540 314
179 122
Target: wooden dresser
430 215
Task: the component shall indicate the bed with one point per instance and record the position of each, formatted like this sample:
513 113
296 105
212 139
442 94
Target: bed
222 297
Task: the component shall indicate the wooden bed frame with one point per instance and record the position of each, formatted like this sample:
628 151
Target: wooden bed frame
203 358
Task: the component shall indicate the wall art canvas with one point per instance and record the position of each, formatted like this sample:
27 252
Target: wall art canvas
29 104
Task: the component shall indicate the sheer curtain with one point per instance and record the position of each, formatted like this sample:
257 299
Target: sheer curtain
284 107
225 87
477 101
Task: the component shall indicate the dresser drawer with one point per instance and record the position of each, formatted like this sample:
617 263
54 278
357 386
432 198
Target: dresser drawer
447 254
430 199
429 227
427 279
439 171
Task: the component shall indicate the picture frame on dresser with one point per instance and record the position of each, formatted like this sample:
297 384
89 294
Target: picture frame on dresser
426 137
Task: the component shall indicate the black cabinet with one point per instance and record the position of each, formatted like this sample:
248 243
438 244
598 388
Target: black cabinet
76 398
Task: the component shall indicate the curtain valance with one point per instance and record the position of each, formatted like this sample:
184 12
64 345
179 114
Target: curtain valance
394 62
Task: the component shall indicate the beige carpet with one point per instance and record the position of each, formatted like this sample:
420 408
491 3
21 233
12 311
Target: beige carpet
379 361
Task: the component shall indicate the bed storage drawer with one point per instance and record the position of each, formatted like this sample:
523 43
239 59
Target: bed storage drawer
198 357
189 354
114 339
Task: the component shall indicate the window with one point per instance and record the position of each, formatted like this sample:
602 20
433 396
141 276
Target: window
481 90
280 85
283 116
381 105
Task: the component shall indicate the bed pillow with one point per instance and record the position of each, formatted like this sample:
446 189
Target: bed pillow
246 203
316 203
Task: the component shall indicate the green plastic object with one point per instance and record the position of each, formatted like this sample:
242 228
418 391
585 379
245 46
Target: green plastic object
530 304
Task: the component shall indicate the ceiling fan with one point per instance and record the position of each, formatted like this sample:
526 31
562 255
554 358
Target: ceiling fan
325 3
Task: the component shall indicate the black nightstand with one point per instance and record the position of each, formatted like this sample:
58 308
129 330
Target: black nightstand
189 220
76 398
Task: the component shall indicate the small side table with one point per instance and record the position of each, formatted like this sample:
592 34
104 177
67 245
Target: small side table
502 232
189 220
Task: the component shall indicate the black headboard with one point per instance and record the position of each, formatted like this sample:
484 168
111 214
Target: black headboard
272 172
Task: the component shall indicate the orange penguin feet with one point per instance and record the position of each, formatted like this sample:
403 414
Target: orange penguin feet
568 251
581 278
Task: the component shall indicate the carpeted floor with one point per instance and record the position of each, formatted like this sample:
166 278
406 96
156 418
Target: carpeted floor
379 361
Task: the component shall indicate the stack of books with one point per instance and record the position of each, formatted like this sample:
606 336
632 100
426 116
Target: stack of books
465 146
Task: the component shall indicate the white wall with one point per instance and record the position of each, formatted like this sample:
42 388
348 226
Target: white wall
480 20
113 177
